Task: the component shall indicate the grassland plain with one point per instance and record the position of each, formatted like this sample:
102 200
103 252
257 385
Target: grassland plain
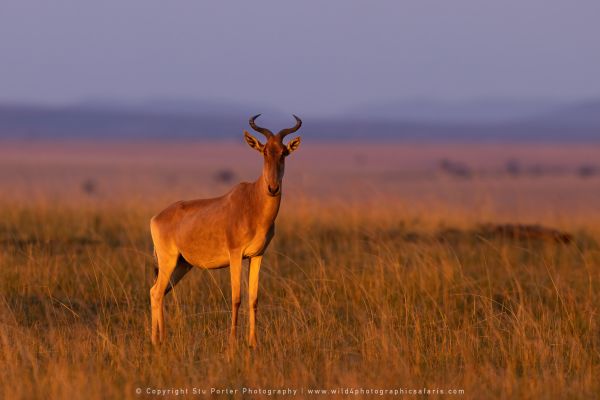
373 293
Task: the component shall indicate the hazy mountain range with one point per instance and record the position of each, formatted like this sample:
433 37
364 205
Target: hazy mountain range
495 119
473 111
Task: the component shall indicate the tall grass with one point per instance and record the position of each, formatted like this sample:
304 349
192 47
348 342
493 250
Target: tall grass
348 298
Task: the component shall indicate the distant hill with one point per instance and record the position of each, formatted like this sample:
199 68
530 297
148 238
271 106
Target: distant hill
483 111
586 113
189 119
103 122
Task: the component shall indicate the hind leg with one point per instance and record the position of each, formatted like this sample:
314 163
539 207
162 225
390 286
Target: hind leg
166 266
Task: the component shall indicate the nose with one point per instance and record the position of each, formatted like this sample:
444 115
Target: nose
274 190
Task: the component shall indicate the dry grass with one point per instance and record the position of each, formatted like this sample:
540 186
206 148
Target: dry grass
347 300
360 294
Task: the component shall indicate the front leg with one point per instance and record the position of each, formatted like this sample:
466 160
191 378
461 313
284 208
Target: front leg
235 269
253 297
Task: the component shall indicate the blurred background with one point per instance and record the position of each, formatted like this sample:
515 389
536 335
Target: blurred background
440 221
493 107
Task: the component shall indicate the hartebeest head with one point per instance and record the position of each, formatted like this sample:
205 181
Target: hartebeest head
274 152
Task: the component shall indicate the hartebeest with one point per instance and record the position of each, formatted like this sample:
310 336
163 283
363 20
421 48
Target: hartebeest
222 231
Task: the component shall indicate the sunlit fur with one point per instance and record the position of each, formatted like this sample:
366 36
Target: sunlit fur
221 232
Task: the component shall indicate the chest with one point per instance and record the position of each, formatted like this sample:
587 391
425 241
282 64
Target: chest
258 242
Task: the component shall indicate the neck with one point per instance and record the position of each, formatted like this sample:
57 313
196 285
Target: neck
268 205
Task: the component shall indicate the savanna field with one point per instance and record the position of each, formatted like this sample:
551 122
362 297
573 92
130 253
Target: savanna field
472 267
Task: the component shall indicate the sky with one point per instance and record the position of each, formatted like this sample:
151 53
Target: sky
316 57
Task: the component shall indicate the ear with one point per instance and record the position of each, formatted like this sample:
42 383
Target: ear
293 144
253 142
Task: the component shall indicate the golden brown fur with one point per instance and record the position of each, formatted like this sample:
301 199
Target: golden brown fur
221 232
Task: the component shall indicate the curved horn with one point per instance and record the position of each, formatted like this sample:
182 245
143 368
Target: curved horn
282 133
257 128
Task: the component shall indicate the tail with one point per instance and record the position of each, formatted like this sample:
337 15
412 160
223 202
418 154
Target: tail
155 265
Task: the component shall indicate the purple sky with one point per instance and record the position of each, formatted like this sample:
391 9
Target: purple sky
303 56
